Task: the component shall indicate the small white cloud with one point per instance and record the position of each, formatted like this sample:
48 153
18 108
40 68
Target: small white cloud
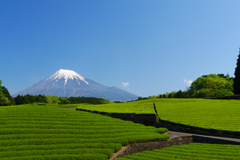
189 82
125 84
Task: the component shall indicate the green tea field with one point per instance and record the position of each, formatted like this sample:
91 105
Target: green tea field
50 132
221 115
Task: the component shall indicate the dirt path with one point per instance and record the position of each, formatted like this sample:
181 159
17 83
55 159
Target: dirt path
215 139
72 108
139 147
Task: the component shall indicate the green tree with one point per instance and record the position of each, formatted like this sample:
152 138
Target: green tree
202 93
4 100
164 96
179 94
236 84
1 91
215 83
227 76
7 94
140 98
219 93
198 84
185 94
64 100
53 99
27 99
167 94
173 93
207 84
150 97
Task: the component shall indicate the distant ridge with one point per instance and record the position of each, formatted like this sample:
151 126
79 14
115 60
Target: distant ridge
67 83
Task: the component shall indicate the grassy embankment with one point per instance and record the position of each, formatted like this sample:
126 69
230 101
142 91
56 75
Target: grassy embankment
198 151
50 132
220 115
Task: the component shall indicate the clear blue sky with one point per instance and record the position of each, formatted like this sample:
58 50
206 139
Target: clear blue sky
154 45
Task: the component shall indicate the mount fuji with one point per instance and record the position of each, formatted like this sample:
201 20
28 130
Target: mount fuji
67 83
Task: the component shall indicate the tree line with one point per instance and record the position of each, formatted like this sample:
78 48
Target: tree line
27 99
212 85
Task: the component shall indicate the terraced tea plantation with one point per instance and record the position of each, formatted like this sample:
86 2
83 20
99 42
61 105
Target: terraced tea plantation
220 115
50 132
198 151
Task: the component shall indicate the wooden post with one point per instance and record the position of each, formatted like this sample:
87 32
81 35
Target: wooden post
156 111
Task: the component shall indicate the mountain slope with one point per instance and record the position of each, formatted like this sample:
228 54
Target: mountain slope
67 83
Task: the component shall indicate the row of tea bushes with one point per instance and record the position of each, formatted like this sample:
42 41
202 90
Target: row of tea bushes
198 151
50 132
61 157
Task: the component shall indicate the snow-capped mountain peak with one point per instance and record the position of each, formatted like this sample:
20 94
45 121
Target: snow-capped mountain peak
66 74
67 83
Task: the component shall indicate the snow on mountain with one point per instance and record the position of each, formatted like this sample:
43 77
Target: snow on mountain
65 74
